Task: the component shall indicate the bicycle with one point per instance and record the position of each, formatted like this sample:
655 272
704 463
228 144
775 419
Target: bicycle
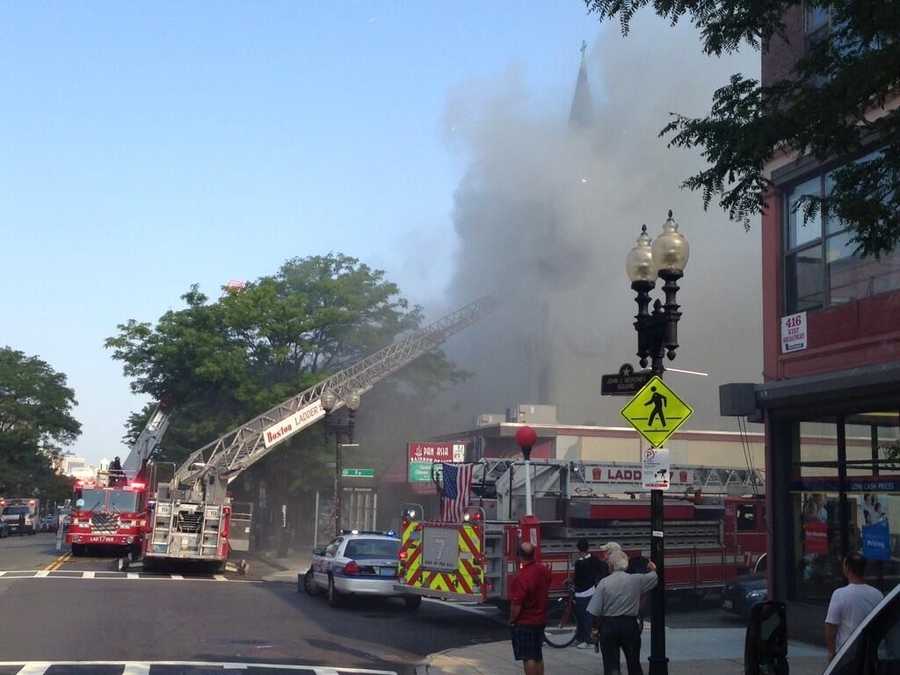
562 623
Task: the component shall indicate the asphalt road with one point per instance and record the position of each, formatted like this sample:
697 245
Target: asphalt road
60 608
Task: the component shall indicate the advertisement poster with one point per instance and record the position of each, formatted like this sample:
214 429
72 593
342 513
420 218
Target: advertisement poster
876 539
421 456
815 538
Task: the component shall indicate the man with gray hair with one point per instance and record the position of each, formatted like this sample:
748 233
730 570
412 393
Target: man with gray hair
616 602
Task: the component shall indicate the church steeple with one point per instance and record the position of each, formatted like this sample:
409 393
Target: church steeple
582 111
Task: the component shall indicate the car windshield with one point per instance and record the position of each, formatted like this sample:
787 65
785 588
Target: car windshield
360 549
93 500
16 510
120 500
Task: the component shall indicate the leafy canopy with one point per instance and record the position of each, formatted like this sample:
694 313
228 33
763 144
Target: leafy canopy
220 363
35 422
835 103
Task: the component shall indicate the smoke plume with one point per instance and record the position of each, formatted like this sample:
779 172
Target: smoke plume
547 211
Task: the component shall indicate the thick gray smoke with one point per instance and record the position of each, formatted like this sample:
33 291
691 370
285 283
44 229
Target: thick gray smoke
547 211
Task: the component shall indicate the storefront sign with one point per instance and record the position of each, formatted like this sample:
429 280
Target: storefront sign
876 540
793 332
421 455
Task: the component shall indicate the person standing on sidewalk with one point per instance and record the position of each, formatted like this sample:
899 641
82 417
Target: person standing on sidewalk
616 602
849 605
588 571
528 610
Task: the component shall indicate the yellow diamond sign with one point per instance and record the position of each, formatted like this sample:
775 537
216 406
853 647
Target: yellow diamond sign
656 412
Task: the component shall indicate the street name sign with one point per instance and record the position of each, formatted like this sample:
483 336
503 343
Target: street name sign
624 383
358 473
656 412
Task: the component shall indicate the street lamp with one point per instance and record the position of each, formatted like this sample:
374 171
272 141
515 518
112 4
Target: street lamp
657 331
329 401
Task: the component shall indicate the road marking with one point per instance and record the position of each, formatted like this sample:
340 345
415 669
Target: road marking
87 575
108 575
55 562
34 668
42 573
132 575
143 667
178 577
2 573
220 577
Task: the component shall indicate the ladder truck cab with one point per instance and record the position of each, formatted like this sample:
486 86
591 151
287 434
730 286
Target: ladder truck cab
110 511
714 527
107 516
191 510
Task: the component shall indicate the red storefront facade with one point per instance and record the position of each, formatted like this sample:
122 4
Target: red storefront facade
837 376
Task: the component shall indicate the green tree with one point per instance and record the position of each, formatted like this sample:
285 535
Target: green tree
220 363
35 423
822 108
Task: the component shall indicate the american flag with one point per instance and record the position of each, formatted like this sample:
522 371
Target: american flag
457 480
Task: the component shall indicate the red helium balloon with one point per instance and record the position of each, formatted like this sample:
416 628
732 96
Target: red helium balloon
526 437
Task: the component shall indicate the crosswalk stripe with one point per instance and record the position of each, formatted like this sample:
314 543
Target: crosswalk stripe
37 668
87 575
132 575
42 573
176 576
220 577
136 669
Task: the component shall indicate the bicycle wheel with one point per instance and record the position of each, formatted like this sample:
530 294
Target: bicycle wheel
561 623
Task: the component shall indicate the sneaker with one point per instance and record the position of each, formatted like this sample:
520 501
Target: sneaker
583 645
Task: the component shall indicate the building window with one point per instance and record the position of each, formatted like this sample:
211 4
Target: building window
821 268
845 490
817 19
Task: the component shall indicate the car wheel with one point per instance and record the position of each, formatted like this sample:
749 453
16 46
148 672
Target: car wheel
412 602
334 598
309 584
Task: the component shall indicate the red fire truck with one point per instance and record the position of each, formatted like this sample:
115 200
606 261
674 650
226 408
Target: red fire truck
715 527
105 516
110 511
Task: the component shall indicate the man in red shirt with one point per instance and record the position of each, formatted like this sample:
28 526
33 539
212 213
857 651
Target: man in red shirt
528 610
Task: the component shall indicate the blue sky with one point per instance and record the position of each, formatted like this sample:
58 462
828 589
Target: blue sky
144 147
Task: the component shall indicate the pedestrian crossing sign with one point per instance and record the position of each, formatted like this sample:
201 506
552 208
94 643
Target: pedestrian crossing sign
656 412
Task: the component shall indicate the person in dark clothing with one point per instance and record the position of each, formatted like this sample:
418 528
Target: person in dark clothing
588 571
528 610
116 476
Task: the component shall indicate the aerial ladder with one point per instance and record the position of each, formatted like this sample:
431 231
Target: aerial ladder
147 442
191 512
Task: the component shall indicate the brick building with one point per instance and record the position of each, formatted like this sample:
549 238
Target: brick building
831 327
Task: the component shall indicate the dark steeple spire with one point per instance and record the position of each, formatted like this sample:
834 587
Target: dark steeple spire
582 112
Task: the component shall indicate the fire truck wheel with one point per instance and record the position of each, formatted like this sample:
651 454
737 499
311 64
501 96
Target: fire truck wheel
334 598
412 602
77 550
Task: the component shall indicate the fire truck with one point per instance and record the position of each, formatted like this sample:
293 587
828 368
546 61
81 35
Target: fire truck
714 527
109 511
191 517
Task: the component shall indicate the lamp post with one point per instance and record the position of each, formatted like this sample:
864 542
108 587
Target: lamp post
657 332
329 401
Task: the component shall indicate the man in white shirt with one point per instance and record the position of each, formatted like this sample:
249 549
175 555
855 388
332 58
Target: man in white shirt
849 605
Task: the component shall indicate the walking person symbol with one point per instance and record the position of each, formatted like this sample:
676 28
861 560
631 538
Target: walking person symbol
658 401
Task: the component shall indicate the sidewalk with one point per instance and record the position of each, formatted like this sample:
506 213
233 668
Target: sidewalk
287 567
716 651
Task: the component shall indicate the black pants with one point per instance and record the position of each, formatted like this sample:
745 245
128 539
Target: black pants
620 632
